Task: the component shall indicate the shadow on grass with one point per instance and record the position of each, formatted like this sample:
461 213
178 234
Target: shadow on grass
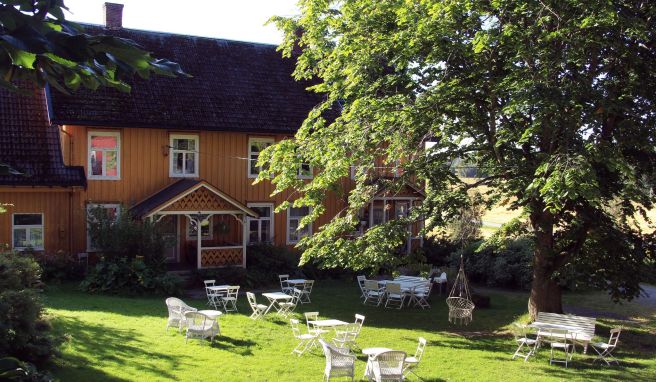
109 344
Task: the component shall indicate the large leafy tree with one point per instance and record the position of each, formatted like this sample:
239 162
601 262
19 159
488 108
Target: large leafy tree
552 100
38 44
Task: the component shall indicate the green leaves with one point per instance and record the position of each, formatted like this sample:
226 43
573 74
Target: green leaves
44 48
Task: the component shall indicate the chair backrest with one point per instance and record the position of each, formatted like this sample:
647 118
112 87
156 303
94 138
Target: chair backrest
394 288
295 329
519 331
173 306
233 291
614 336
307 286
421 346
361 278
443 276
296 295
389 364
283 281
568 336
359 320
584 325
252 301
370 284
310 316
209 283
197 320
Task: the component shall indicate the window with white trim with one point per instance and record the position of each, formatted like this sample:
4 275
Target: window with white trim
27 231
104 150
294 216
260 230
206 230
255 147
184 156
106 211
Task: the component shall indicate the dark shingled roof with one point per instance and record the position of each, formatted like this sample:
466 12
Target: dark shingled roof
30 145
236 86
162 196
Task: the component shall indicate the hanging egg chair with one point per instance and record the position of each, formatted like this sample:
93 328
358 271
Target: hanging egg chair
459 301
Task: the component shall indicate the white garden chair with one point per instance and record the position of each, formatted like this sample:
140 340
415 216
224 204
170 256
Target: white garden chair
361 280
307 290
525 346
305 340
229 300
387 366
411 363
177 309
604 349
314 316
563 340
284 286
345 338
210 293
394 296
258 309
373 292
287 307
201 326
421 294
338 362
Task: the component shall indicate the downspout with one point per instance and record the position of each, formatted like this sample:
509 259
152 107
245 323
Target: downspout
70 194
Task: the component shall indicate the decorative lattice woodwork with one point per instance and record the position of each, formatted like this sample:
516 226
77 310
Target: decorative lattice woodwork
201 199
220 257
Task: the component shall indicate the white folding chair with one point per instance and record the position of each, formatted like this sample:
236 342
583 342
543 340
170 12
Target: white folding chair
258 309
346 336
287 307
284 286
208 292
373 293
229 300
411 363
604 349
562 340
394 296
421 294
525 346
305 340
307 290
313 316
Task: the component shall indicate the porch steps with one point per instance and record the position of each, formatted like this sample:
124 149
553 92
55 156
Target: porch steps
184 274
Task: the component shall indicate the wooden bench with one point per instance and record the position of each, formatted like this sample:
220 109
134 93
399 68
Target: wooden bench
584 327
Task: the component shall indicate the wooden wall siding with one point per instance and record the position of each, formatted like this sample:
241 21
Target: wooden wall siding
144 170
53 205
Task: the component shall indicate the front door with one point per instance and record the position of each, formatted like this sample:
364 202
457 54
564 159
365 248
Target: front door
169 229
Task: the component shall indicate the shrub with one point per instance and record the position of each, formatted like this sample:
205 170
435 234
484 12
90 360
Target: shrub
59 266
126 276
12 369
23 331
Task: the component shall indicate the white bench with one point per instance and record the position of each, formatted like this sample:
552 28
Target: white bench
584 327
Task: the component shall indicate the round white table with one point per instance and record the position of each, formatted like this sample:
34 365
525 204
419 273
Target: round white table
372 353
211 313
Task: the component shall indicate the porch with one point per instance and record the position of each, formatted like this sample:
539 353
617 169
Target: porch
206 227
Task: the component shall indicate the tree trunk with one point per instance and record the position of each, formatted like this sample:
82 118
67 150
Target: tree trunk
545 291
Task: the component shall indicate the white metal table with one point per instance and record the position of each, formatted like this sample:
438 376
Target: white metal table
327 323
274 298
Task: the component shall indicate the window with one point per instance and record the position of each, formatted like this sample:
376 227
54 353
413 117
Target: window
294 216
184 156
255 147
104 155
378 215
27 231
260 230
305 171
205 230
109 211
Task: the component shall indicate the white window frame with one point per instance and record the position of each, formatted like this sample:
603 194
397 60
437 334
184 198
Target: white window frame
210 235
259 224
300 175
116 134
91 206
196 152
28 228
252 140
289 241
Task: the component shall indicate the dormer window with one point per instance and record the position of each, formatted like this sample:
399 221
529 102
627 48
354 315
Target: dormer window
184 156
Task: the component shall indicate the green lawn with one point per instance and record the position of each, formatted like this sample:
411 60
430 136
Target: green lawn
123 339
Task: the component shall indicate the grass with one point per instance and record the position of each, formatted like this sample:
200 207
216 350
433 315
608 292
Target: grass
110 338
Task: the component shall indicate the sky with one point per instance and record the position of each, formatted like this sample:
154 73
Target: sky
229 19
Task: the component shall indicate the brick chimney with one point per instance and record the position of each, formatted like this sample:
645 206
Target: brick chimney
113 15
